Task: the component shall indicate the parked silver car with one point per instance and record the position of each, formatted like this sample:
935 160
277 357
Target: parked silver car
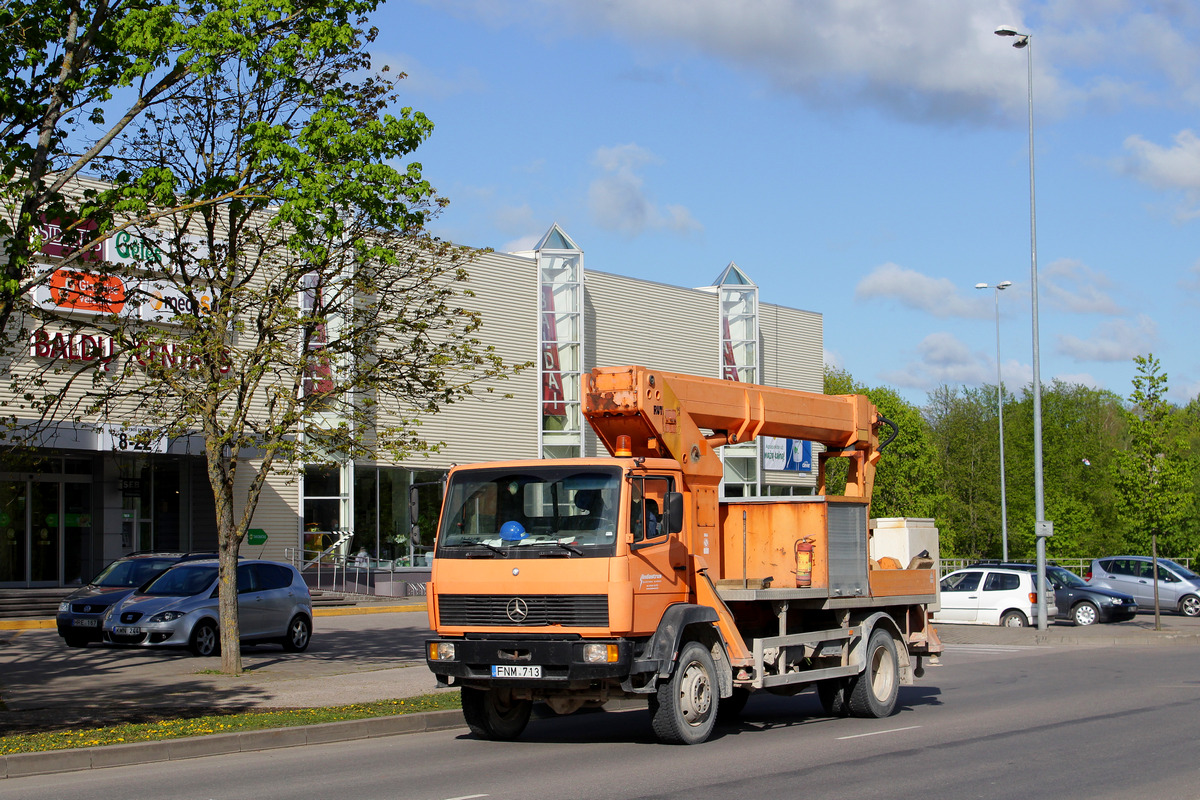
179 608
1178 586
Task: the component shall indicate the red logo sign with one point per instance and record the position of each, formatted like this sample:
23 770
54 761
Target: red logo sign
73 290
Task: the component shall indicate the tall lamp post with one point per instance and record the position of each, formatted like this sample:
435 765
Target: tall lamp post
1042 527
999 287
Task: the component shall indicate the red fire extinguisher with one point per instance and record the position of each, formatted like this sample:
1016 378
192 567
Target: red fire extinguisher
804 562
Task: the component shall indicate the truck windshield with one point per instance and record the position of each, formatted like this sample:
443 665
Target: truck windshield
533 512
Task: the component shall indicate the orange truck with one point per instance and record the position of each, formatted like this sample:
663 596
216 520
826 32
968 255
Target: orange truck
572 582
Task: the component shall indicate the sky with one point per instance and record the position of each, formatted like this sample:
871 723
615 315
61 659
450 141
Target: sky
868 160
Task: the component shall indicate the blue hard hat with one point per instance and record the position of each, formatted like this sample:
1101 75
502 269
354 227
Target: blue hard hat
512 531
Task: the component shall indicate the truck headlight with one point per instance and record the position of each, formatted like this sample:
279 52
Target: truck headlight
441 651
599 653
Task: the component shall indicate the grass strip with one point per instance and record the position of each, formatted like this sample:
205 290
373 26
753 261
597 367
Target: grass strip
231 723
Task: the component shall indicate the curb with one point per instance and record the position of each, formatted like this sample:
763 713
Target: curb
337 611
21 765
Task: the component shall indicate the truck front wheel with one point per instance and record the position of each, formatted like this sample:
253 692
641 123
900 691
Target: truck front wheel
494 714
876 687
684 709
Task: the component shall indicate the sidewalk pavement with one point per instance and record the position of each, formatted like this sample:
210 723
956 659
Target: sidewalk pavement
335 681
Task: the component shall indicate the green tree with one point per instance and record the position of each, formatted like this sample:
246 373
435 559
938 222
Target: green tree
908 476
75 75
969 522
306 317
1155 476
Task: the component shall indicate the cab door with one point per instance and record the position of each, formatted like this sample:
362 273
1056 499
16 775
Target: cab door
658 558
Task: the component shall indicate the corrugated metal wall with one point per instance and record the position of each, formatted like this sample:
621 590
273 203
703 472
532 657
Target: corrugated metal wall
630 321
489 426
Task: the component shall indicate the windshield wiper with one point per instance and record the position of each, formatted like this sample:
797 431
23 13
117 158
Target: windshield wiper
473 543
569 548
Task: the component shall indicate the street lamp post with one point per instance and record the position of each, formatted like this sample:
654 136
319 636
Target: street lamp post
999 287
1042 527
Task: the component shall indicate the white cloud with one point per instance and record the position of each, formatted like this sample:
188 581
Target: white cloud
1170 168
1073 286
943 359
618 199
921 60
937 296
1114 340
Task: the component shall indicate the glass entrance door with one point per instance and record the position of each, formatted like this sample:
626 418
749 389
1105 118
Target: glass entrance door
45 532
14 533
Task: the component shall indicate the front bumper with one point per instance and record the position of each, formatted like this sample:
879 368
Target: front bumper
561 661
77 626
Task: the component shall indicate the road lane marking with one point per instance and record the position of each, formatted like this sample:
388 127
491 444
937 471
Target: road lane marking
876 733
468 797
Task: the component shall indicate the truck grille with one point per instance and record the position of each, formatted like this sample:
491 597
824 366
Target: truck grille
580 611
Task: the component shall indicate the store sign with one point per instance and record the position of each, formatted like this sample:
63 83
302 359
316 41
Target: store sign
80 292
153 249
729 365
554 400
791 455
59 244
67 346
120 439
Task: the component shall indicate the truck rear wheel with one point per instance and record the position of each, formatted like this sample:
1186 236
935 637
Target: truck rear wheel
494 714
876 687
684 709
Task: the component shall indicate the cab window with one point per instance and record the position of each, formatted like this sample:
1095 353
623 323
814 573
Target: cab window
647 512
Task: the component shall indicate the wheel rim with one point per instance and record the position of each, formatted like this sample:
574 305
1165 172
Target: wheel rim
1014 622
1191 606
695 694
1085 615
883 675
299 633
206 639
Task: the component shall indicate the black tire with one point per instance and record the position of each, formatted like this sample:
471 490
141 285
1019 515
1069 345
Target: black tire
1014 619
684 709
832 693
493 714
730 709
877 686
205 640
1190 606
1085 614
299 632
75 641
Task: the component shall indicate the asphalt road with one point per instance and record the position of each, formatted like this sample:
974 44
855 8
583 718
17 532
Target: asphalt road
994 721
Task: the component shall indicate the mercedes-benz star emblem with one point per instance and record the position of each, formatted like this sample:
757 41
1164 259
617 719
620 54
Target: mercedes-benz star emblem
517 609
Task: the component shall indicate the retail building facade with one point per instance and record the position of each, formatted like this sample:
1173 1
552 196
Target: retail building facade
94 494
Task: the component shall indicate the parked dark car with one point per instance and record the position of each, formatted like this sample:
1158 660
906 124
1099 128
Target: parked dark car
1079 601
80 613
1178 586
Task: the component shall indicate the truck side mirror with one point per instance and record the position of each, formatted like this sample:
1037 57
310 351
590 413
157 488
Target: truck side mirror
674 503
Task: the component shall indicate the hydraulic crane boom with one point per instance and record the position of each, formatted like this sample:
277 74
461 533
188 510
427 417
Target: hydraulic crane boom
665 415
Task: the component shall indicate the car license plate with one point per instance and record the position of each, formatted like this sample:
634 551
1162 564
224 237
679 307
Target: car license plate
121 631
516 671
85 623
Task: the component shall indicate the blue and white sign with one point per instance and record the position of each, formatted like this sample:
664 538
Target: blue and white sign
793 455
